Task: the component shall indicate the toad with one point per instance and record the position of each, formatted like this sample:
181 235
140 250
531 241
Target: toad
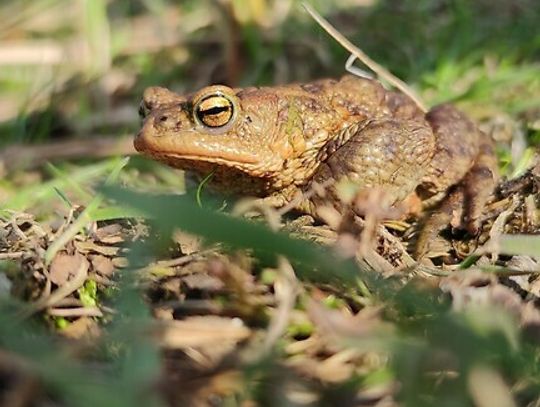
275 142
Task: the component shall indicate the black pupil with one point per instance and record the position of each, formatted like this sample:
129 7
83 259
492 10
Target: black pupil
214 110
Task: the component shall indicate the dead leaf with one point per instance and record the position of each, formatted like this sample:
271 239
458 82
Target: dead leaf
63 267
102 265
120 262
189 244
77 276
110 234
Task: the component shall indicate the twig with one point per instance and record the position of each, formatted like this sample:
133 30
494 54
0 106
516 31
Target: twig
358 53
180 261
75 312
205 331
12 255
286 288
497 230
271 216
506 272
70 232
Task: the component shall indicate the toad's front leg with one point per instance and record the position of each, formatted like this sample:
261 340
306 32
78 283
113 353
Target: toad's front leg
388 154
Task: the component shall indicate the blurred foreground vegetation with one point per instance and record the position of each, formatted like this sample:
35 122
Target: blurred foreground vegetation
295 323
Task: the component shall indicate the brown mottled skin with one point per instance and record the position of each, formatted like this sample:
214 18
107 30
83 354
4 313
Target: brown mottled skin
278 140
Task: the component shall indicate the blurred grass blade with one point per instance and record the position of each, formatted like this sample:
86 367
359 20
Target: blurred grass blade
114 212
97 35
81 221
85 217
182 212
38 193
64 175
525 245
71 381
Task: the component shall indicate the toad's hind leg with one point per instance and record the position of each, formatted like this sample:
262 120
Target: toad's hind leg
464 164
479 183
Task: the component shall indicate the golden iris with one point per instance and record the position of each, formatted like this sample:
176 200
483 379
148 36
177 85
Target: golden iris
215 110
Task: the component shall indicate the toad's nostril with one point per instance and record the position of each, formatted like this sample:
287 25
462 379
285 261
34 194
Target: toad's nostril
165 121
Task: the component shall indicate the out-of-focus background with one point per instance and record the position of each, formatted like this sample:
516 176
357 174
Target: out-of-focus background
77 68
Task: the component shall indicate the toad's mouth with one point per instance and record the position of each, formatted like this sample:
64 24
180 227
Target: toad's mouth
193 150
237 177
186 159
204 159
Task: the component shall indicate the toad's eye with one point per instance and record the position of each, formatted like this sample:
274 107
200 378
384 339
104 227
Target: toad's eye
215 110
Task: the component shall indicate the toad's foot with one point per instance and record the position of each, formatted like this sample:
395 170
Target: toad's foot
462 208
